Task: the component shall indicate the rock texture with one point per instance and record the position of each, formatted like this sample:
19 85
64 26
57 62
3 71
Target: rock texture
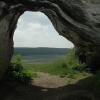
77 20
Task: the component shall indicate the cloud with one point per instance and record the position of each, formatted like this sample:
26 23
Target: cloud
36 30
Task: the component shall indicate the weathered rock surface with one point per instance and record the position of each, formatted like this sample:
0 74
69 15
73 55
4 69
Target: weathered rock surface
77 20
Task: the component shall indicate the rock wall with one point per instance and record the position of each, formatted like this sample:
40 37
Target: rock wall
77 20
8 21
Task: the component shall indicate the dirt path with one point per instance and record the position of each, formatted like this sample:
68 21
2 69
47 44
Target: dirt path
49 81
46 87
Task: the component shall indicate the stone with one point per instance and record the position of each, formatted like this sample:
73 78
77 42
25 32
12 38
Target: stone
76 20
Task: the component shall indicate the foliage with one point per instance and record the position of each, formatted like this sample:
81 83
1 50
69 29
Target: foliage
73 62
71 59
69 65
16 72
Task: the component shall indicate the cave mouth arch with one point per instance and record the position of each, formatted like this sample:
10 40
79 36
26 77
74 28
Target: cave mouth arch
81 27
36 28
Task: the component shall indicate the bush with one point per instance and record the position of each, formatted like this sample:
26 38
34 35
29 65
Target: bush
16 72
81 67
71 59
73 62
71 65
25 76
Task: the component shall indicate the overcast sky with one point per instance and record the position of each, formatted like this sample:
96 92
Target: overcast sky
34 29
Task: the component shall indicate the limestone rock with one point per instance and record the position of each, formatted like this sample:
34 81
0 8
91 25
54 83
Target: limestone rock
77 20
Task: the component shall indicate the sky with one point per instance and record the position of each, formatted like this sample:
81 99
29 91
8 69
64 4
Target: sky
34 29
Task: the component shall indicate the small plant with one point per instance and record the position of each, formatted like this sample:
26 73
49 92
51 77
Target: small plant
25 76
16 72
71 59
81 67
64 65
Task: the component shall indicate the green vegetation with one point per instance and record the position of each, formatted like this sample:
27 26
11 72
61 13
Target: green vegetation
40 51
40 55
16 72
69 67
66 66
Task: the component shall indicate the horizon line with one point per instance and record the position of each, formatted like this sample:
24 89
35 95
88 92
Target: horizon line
43 47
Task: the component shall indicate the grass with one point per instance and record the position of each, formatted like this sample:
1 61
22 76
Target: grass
62 67
16 72
69 67
78 79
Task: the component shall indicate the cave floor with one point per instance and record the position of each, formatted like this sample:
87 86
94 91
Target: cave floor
46 87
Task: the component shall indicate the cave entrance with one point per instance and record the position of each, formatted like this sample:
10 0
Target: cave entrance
35 31
40 47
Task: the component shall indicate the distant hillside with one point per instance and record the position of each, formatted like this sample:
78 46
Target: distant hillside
40 51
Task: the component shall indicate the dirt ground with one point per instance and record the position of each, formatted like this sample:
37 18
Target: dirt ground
49 81
45 87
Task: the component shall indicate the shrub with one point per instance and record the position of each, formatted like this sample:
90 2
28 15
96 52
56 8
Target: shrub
70 65
25 76
71 59
81 67
16 72
73 62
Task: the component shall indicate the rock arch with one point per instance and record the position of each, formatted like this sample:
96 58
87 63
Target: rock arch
77 20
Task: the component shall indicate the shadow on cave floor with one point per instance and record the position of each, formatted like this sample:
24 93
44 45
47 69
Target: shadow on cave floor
17 91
